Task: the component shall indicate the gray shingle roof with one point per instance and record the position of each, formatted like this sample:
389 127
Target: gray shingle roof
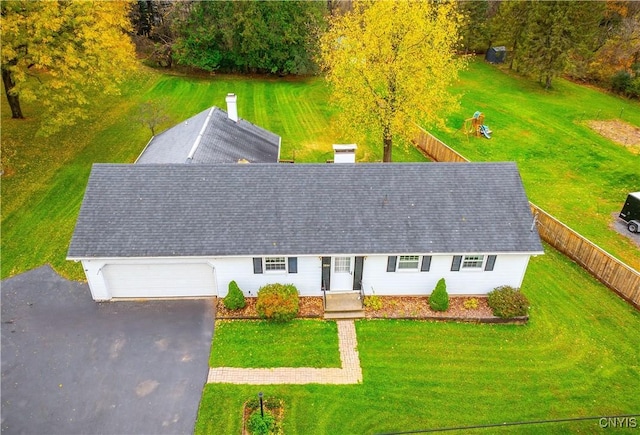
223 141
269 209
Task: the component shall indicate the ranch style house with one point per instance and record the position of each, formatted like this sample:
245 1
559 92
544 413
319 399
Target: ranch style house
186 224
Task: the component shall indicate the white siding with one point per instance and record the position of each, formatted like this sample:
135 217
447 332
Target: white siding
240 269
508 270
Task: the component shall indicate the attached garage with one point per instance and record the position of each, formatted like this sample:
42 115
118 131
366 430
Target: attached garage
159 280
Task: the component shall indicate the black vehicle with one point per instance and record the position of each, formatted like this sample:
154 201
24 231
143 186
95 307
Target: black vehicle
631 212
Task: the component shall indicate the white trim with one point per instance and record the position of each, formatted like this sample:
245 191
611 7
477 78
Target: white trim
284 262
214 256
144 149
475 259
409 269
279 146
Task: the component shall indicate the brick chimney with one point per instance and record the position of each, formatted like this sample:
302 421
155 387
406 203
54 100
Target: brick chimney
232 107
344 153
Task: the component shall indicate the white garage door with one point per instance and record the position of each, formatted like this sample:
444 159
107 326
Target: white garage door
159 280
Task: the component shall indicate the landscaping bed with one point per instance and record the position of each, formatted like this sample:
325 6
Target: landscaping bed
393 307
271 405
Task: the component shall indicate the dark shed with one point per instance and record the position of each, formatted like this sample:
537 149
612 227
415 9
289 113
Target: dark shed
496 54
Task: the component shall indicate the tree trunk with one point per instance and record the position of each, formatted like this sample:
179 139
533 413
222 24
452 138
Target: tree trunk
513 54
388 144
13 99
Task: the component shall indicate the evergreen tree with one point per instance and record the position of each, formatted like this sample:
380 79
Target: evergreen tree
552 31
474 32
250 37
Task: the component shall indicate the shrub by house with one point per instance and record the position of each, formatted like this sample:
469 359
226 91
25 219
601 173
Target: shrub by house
439 299
507 302
234 300
278 302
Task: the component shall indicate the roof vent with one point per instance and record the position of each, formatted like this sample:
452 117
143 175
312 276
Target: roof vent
344 153
232 107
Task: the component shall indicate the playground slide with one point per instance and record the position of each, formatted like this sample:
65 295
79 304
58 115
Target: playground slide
485 131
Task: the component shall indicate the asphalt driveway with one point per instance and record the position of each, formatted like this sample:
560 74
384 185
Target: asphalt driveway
74 366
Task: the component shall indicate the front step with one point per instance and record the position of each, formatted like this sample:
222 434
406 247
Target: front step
340 315
343 305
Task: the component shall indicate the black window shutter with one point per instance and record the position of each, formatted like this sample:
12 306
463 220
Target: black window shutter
455 265
326 273
491 261
257 265
391 263
426 263
293 264
357 273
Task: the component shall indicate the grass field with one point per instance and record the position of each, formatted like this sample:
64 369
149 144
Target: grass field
578 356
259 343
568 169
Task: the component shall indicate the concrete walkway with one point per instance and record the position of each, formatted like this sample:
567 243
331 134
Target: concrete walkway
350 373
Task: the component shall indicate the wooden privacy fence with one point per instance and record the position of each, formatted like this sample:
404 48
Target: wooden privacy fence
609 270
612 272
435 149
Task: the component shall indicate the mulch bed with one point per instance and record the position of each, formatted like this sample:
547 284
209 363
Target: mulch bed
393 307
274 406
417 307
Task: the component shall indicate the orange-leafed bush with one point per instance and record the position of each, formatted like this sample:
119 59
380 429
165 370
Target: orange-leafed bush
278 302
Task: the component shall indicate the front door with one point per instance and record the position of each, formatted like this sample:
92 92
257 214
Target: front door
342 273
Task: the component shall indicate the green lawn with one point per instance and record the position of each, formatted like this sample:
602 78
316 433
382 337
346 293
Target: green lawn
258 343
578 356
569 170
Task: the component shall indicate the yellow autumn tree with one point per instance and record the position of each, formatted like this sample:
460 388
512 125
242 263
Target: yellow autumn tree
390 65
58 52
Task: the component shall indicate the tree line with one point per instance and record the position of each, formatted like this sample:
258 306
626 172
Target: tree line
58 52
590 41
264 37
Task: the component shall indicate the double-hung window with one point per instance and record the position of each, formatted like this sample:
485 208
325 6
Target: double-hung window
408 262
471 262
273 264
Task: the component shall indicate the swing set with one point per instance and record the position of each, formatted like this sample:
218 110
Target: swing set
475 125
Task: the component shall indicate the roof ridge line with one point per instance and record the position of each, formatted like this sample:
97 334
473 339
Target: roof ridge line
199 138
